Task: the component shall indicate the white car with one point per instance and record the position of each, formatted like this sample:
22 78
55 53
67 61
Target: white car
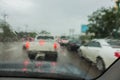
44 46
102 52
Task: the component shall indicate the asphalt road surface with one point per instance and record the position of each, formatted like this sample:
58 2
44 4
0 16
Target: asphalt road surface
13 52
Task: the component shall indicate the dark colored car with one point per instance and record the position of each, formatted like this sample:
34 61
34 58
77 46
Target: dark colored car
73 44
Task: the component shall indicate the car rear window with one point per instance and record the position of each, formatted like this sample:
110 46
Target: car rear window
64 37
45 37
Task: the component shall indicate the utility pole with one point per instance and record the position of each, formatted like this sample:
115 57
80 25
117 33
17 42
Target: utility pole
71 32
4 15
26 28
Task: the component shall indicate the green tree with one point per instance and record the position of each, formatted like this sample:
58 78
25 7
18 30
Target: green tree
103 21
7 32
44 32
32 34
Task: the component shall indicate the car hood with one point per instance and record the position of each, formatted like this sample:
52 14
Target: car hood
40 67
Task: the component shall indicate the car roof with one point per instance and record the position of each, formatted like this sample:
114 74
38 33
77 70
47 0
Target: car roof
101 41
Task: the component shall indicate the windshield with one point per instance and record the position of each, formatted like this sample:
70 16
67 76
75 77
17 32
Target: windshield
50 36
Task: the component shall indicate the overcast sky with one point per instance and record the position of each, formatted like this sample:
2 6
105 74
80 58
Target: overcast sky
56 16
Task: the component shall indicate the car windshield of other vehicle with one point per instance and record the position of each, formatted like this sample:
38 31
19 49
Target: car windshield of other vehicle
45 37
64 37
70 38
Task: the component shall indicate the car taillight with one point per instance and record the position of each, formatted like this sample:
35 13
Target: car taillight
55 45
117 54
27 45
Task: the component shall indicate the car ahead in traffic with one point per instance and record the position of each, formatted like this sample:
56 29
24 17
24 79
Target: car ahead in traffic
44 47
63 41
102 52
73 45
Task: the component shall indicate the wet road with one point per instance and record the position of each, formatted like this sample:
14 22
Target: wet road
13 52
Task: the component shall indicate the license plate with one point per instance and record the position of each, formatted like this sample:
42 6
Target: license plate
41 54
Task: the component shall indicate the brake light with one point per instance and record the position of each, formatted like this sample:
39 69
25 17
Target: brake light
55 45
27 45
117 54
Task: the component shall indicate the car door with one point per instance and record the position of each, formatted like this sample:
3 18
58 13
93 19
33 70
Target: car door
93 50
85 49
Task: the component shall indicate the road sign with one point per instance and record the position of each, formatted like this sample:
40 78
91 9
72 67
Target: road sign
84 28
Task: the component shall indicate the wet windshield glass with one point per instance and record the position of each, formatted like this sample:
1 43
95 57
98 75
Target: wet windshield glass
59 36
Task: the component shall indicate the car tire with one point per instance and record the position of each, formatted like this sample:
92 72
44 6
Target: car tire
100 64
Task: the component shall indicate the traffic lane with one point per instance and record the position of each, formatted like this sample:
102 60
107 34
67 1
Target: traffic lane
68 57
12 52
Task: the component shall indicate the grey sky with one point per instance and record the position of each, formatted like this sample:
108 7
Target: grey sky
56 16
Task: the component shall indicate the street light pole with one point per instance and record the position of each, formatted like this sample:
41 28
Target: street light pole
4 15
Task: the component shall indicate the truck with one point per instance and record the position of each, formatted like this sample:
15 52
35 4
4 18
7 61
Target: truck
44 47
